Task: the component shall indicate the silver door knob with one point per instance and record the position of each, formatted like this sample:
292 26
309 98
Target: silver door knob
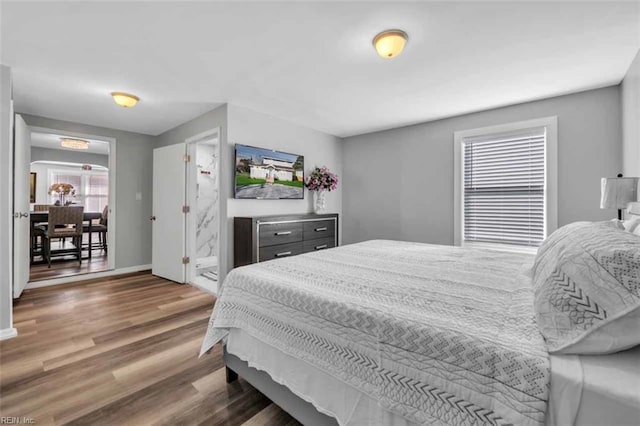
152 218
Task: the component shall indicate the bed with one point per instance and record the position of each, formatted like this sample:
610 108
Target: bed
397 333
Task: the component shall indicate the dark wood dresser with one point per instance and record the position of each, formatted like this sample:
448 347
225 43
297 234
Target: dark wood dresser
260 238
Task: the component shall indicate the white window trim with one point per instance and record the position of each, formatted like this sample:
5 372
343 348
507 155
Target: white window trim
84 177
551 176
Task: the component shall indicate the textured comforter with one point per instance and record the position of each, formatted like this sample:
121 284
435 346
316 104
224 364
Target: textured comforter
437 334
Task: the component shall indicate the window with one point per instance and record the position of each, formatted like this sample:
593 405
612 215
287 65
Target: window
97 192
506 185
92 187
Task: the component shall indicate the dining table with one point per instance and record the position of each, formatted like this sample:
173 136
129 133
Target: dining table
42 217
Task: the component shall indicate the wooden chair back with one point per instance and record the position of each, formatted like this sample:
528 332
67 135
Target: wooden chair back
65 221
105 216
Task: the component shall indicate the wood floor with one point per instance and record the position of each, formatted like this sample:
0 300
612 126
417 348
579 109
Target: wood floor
65 266
121 351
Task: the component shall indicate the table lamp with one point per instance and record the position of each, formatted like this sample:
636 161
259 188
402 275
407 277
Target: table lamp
618 192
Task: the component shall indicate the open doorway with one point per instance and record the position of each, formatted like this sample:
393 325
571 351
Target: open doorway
68 171
203 234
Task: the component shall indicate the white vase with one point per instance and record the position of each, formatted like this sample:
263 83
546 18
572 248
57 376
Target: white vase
319 205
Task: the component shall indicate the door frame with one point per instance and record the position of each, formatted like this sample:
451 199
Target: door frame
213 133
111 236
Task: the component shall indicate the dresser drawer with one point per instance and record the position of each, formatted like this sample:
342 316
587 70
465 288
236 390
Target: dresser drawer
280 233
279 251
319 244
319 229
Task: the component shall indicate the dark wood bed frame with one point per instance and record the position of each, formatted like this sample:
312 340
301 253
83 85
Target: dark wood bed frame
298 408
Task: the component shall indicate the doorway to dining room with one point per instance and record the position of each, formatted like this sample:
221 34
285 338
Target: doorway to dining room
67 173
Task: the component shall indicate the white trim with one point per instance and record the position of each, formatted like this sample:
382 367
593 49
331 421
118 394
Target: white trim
551 170
87 276
8 333
111 236
203 288
501 247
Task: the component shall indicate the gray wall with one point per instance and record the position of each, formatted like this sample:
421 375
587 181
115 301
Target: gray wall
244 126
630 94
248 127
134 165
6 199
47 154
401 180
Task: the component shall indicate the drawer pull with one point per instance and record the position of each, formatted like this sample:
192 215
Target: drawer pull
324 228
320 247
284 253
283 233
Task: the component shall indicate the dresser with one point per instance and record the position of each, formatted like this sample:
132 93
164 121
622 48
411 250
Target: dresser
261 238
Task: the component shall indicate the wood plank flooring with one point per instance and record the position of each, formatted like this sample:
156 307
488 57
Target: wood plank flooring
121 351
65 266
62 267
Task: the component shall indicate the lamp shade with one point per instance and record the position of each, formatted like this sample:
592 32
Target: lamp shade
618 192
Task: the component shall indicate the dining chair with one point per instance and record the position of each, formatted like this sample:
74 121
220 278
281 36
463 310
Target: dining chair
100 228
64 222
37 231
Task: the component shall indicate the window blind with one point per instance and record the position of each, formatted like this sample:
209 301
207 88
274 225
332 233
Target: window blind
97 192
504 184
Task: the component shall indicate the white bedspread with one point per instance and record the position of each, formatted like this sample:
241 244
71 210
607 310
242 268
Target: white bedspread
436 334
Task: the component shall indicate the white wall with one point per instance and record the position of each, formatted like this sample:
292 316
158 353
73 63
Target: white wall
398 184
6 201
65 156
630 97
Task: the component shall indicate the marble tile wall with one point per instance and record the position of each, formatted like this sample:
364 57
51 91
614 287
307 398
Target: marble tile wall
207 200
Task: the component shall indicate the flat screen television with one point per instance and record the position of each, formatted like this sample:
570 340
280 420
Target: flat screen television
268 175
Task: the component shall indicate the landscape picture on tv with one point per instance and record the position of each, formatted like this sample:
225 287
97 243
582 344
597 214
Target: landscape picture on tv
269 175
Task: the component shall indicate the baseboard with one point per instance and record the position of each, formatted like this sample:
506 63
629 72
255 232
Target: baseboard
87 276
8 333
202 288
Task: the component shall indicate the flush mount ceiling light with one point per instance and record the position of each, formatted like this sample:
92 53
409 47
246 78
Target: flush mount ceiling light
74 143
390 43
125 100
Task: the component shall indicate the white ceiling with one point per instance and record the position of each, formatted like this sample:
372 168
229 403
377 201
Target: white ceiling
310 63
52 141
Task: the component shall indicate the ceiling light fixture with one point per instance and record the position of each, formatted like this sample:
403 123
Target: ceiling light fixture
74 143
390 43
125 100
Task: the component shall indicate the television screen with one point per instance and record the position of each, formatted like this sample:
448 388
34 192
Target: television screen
268 175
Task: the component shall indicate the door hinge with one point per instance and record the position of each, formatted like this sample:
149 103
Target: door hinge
186 209
185 260
186 158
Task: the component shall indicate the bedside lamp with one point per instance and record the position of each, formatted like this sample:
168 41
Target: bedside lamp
618 192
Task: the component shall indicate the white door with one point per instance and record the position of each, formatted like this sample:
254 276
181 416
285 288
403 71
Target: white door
168 246
21 224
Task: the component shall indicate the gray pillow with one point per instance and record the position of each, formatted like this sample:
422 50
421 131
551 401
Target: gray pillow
586 280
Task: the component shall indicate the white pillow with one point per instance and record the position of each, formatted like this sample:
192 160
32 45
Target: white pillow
632 224
586 281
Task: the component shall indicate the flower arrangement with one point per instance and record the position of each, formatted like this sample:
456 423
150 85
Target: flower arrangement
321 179
62 190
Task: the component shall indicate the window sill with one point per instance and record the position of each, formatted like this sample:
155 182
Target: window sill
500 247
